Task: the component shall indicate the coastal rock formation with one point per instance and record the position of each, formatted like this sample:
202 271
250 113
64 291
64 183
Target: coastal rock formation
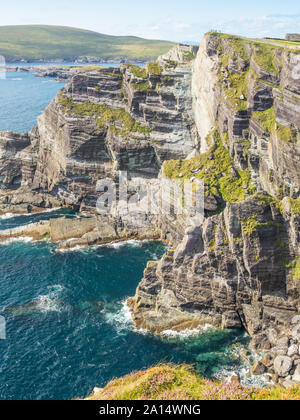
227 114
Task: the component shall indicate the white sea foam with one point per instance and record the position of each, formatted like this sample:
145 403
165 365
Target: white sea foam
116 245
49 210
7 216
12 215
46 304
121 320
19 239
17 78
74 249
247 379
50 302
186 333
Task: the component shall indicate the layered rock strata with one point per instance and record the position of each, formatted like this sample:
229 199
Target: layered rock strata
227 114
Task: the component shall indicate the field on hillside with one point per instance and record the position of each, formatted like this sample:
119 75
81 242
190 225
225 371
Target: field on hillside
35 42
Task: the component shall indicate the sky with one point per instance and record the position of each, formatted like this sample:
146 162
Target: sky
175 20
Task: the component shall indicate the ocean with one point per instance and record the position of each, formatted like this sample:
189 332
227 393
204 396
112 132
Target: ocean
23 98
68 327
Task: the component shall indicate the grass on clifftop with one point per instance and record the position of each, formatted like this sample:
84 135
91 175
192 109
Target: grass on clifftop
171 382
235 55
216 169
264 56
34 42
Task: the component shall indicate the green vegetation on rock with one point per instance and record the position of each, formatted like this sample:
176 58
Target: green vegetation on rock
189 55
142 87
268 122
154 68
236 43
265 199
264 56
105 116
212 242
215 168
171 382
170 64
234 83
295 267
250 225
238 90
116 75
137 71
295 206
234 66
35 42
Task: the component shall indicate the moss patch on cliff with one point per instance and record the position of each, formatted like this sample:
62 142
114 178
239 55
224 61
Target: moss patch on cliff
265 199
189 55
235 43
267 120
105 116
233 78
142 87
172 382
215 168
237 93
234 55
154 68
137 71
264 55
295 267
295 206
116 75
250 225
171 65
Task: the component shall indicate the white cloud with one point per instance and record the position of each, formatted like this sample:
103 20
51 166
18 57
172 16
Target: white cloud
177 30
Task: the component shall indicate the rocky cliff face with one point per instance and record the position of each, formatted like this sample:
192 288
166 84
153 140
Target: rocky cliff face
241 267
227 114
106 120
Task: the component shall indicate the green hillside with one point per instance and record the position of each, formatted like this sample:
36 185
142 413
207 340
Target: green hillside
34 42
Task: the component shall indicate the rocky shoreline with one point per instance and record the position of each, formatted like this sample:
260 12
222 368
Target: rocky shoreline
226 113
59 73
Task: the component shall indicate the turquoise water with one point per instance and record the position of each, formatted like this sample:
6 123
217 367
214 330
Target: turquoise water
68 326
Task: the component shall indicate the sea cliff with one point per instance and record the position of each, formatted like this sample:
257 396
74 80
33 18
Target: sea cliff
226 113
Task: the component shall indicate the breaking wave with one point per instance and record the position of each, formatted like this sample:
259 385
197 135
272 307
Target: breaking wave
19 239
